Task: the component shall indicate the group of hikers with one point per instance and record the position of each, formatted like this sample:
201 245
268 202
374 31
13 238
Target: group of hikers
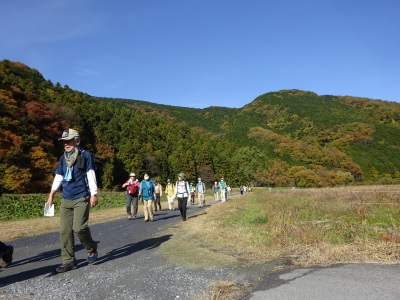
150 192
75 174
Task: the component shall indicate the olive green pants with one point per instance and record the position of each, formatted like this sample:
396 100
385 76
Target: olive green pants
74 217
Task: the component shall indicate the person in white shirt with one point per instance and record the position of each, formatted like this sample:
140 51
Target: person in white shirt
183 194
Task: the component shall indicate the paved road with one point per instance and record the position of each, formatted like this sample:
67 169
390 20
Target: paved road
129 267
343 281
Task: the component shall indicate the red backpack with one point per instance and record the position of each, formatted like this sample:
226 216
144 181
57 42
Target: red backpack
132 188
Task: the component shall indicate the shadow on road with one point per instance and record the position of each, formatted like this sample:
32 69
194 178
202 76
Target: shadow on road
44 256
129 249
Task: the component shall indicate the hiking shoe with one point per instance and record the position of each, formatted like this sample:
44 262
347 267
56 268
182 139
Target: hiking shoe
92 257
66 267
8 257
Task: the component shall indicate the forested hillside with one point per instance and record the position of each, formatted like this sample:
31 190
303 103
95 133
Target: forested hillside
284 138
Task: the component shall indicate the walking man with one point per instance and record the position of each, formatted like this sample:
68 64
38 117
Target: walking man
169 191
147 191
222 189
132 189
76 174
182 192
201 190
216 191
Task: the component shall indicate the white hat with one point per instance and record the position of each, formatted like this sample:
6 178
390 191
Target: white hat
132 175
69 134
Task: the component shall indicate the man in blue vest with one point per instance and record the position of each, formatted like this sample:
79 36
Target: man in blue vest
76 174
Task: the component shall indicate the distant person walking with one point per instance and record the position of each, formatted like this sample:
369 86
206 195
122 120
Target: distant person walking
132 190
169 191
147 192
201 190
241 189
158 193
183 194
215 189
76 174
192 193
222 189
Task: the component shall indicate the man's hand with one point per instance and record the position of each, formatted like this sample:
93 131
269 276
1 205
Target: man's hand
93 201
49 201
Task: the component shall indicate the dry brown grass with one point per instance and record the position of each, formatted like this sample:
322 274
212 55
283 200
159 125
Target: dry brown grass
223 290
305 242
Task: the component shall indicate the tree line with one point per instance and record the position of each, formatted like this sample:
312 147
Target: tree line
125 137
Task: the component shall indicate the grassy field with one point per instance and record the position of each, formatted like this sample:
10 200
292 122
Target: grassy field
306 226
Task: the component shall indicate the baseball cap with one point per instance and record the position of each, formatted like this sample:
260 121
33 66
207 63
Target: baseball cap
132 175
68 134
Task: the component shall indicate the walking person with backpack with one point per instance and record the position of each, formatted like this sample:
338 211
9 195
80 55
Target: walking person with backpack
147 192
76 174
222 189
192 191
132 189
169 191
183 194
215 189
201 190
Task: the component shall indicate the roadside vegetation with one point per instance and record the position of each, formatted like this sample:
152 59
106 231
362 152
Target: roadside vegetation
305 226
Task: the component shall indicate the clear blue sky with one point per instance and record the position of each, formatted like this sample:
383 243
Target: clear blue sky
199 53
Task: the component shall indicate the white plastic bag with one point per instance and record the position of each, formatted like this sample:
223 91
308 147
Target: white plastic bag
48 210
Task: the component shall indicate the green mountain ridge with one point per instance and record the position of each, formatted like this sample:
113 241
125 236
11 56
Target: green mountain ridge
282 138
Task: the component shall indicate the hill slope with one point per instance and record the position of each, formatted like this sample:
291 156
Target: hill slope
282 138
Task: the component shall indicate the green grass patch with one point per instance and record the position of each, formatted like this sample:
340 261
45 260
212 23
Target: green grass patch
25 206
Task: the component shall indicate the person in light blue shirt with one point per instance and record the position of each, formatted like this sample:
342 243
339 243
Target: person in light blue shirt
222 189
201 190
147 192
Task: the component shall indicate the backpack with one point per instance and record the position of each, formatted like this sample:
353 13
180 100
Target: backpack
185 186
132 188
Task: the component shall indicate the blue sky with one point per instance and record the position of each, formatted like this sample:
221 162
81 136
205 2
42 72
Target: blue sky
199 53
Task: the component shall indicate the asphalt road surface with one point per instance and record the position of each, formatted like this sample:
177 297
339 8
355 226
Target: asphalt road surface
343 281
129 267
